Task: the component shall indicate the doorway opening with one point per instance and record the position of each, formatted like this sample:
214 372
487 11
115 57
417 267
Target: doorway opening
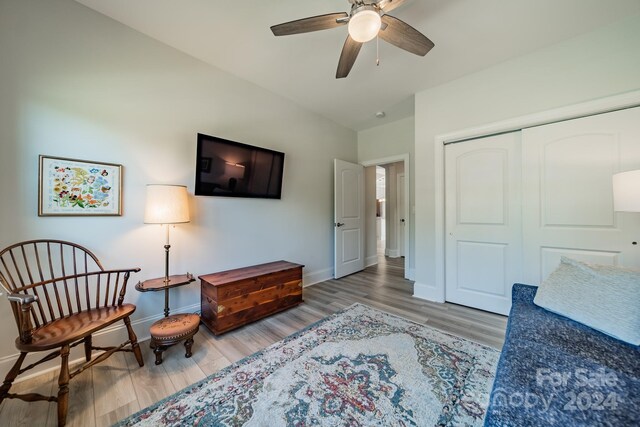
381 233
386 204
357 206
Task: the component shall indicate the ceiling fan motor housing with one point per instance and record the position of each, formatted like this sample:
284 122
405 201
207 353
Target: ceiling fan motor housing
364 23
357 3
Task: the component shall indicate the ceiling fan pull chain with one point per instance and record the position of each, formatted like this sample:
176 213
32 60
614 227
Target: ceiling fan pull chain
377 51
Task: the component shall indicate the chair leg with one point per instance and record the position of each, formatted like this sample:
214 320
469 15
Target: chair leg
11 375
87 348
134 342
63 384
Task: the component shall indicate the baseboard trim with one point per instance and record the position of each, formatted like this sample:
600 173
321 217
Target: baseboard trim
372 260
427 292
110 336
320 276
392 253
411 273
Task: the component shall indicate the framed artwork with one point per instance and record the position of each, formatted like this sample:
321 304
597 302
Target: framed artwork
78 187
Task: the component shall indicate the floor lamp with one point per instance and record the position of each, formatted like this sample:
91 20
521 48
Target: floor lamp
166 205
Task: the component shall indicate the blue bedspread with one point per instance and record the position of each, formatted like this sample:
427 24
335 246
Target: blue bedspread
557 372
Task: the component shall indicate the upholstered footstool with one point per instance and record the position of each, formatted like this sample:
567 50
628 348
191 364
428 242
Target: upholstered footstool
171 330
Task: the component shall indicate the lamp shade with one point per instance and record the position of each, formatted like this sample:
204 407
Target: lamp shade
364 25
626 191
166 204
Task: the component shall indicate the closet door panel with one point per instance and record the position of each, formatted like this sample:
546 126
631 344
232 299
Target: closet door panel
481 185
483 245
567 192
550 257
575 172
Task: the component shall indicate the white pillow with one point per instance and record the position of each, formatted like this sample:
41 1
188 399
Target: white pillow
603 297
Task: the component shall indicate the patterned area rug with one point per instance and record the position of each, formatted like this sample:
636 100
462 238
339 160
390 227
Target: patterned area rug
358 367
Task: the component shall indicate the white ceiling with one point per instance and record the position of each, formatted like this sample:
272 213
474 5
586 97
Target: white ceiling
469 35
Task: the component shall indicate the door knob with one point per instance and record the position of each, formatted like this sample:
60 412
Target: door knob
339 224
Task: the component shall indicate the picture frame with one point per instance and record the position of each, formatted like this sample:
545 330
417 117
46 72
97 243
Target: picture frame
73 187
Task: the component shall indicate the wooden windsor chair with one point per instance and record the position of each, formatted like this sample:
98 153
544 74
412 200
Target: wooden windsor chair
60 295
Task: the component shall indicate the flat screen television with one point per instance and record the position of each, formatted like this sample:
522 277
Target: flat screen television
232 169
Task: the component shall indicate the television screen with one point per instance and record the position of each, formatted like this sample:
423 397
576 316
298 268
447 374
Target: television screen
231 169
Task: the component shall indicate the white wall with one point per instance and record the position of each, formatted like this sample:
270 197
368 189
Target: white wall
74 83
595 65
389 140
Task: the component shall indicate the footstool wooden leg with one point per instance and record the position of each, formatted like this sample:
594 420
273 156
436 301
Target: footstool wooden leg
187 345
158 349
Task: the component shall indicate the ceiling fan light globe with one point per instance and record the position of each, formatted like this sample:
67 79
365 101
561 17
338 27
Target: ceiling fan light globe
364 25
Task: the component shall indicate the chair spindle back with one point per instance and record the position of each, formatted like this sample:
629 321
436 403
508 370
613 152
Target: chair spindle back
65 277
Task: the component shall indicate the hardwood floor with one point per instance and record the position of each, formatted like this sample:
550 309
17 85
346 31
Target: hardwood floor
117 387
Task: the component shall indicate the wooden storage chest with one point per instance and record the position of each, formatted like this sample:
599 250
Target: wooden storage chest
233 298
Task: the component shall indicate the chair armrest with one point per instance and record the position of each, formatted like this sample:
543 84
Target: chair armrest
118 270
24 314
22 299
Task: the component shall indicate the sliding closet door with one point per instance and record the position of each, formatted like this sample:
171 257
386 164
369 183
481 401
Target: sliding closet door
483 221
567 192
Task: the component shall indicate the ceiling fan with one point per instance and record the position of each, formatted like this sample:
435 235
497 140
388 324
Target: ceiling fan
367 19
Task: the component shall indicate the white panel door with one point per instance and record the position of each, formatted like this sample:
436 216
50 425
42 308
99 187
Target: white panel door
483 221
567 192
348 218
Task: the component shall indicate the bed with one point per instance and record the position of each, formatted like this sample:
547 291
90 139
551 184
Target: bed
554 371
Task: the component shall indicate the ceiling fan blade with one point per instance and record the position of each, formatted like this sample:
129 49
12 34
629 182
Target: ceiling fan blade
348 57
307 25
388 5
404 36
